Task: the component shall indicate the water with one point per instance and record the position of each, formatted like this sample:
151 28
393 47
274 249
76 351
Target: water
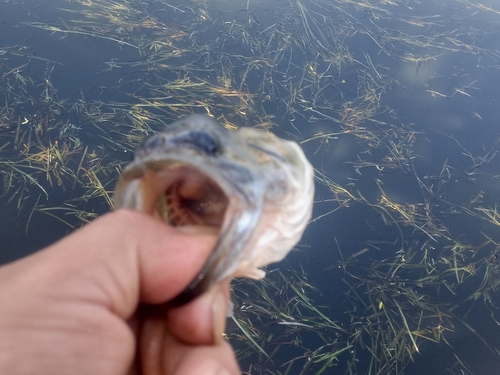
395 103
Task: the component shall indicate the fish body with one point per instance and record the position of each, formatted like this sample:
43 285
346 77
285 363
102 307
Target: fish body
254 188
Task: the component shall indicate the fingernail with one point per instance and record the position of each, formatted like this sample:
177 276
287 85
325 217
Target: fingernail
219 314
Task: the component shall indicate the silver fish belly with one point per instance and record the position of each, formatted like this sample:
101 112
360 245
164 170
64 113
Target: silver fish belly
254 188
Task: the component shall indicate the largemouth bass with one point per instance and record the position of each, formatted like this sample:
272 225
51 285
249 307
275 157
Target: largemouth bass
254 188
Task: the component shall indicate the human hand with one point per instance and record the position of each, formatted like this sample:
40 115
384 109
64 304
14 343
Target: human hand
79 306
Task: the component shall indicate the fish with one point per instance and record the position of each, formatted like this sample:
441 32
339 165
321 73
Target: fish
253 188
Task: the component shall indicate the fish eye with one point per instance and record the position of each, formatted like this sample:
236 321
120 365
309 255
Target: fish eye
202 140
206 142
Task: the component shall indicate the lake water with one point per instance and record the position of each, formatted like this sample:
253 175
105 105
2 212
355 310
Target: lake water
395 103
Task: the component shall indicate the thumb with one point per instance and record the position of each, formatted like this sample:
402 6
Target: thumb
118 260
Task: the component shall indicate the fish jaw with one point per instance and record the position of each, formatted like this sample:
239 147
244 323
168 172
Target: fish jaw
251 187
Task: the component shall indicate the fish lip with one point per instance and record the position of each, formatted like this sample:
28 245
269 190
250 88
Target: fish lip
174 159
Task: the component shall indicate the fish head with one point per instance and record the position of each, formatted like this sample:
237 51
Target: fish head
251 187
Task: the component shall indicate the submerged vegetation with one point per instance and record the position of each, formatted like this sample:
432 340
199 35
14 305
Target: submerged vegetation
425 253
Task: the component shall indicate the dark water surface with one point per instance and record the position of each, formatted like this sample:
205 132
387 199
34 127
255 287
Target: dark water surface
395 103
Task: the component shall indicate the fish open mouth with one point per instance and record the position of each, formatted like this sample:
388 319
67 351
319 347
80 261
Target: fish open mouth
182 195
193 200
179 194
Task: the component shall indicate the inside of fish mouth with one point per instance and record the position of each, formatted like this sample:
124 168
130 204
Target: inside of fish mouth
192 199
